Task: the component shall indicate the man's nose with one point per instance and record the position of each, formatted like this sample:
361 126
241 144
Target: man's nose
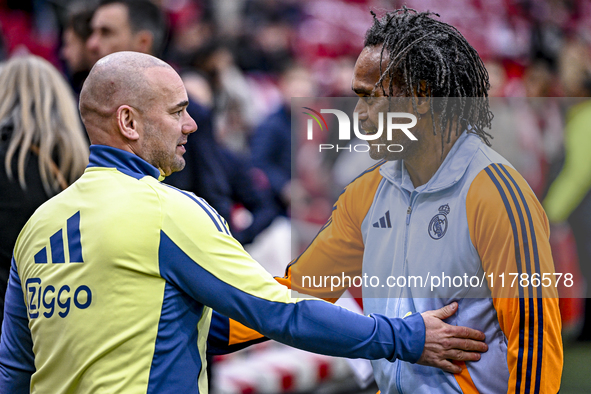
92 43
190 126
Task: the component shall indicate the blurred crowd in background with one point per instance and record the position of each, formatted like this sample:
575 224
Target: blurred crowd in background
243 60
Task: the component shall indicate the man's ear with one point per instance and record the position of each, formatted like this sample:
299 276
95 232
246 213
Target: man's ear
144 41
423 94
127 122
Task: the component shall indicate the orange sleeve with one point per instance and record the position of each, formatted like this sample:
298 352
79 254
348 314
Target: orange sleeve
510 231
337 250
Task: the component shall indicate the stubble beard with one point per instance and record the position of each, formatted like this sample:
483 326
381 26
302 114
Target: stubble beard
160 158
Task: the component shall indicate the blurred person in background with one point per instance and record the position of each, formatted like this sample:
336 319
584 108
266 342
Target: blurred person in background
569 196
233 103
191 29
271 141
126 25
42 146
266 44
271 150
527 130
74 51
544 133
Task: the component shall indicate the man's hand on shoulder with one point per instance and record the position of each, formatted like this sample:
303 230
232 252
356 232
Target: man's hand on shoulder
444 342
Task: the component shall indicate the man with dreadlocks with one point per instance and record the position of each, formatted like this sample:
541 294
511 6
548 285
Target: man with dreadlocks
446 205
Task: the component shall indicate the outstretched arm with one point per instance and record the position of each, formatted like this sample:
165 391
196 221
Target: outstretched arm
210 266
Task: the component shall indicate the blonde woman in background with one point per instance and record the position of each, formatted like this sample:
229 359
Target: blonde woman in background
42 146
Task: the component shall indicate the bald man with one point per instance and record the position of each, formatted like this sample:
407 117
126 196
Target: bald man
137 103
113 279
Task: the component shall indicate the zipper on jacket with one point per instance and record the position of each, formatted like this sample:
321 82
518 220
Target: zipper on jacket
412 199
398 383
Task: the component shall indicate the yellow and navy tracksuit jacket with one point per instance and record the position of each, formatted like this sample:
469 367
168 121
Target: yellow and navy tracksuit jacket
113 279
476 217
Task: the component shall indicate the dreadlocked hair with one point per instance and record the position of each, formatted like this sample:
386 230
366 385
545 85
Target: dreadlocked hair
423 50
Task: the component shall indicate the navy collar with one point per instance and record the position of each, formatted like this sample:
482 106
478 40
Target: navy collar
125 162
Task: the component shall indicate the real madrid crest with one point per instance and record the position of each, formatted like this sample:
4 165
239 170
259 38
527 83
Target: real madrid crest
438 225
